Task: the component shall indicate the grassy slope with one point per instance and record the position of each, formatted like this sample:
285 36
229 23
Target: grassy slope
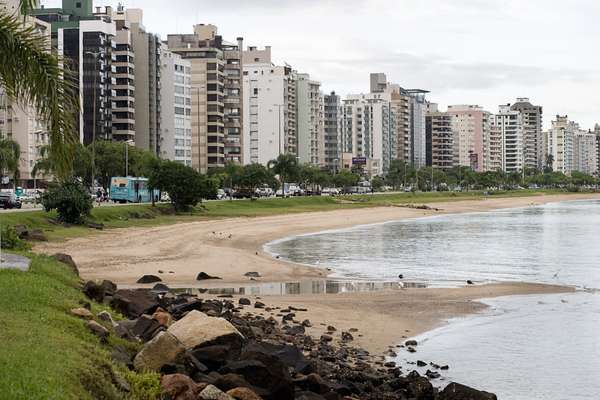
146 215
45 353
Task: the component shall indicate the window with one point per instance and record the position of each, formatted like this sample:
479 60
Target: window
179 111
255 91
78 4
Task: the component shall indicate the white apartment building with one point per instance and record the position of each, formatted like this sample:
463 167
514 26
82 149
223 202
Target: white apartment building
533 139
585 153
310 109
369 132
269 107
507 126
560 143
175 116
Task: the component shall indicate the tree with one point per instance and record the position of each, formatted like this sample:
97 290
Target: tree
31 75
10 154
377 183
70 199
397 173
286 166
109 161
185 186
82 164
346 178
254 175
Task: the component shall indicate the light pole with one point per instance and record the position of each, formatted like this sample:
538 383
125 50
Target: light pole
95 55
127 144
197 89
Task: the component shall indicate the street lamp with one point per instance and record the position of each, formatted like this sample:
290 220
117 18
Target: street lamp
127 144
95 55
279 128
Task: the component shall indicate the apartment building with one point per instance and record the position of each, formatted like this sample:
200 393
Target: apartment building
560 143
585 152
439 138
533 139
470 126
597 133
20 122
368 133
206 52
86 42
507 125
332 126
309 117
175 116
269 93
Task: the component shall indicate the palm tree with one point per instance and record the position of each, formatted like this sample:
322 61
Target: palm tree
10 153
286 166
30 75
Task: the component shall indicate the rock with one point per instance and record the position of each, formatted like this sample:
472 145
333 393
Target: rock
145 327
306 323
160 288
296 330
290 356
258 304
68 260
347 337
215 356
390 364
252 274
106 317
149 279
163 349
444 367
456 391
82 313
421 363
162 317
202 276
313 383
98 330
133 303
432 374
264 372
94 291
411 343
37 235
180 387
244 301
197 328
326 338
331 328
411 350
213 393
109 288
243 393
21 231
95 225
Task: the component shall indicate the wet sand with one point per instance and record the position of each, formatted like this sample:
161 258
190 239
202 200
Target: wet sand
229 248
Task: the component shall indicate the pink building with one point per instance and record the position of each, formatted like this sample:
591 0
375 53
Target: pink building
470 127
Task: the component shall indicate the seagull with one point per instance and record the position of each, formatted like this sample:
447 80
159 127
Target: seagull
555 276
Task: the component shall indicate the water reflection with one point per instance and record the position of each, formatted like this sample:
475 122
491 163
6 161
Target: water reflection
303 287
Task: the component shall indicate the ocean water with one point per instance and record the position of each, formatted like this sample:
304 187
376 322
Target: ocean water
522 347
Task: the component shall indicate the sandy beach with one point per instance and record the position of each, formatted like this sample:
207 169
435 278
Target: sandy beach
229 248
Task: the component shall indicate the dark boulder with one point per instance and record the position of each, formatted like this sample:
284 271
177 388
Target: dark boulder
308 396
94 291
259 304
133 303
109 287
160 288
456 391
215 356
203 276
290 356
37 235
149 279
67 260
252 274
146 327
244 301
411 343
180 387
264 372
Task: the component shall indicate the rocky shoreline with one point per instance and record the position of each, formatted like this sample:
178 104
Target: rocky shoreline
235 348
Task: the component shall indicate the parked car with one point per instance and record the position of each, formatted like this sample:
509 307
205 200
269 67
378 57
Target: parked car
9 200
264 192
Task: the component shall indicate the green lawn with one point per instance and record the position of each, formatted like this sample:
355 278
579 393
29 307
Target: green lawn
146 215
45 353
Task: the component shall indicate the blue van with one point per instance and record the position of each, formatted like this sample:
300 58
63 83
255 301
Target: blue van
131 190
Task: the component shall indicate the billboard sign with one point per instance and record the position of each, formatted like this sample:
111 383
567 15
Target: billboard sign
359 160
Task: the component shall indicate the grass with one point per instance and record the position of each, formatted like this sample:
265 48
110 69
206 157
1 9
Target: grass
146 215
46 353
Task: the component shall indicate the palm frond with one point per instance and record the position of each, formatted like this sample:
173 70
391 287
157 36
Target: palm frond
31 75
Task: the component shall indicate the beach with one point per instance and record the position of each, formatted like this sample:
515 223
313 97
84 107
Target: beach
229 248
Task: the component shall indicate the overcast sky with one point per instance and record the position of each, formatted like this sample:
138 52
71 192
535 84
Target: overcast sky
485 52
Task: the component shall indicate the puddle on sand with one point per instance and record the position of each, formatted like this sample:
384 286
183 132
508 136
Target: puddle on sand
302 287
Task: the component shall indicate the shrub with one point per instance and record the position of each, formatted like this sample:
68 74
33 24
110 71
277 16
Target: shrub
11 240
185 186
70 199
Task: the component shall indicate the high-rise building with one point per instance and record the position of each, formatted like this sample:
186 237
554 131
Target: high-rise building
560 143
175 94
507 125
86 41
585 152
470 126
269 107
309 117
209 54
439 138
332 122
20 121
597 133
533 140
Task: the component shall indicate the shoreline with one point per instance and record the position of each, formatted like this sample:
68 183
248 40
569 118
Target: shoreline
228 248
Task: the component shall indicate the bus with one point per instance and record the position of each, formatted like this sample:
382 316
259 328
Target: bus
131 190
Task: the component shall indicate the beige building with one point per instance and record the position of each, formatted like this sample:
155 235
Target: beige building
20 122
311 134
440 138
213 92
585 152
560 143
470 127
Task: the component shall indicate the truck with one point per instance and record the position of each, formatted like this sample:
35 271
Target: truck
131 190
